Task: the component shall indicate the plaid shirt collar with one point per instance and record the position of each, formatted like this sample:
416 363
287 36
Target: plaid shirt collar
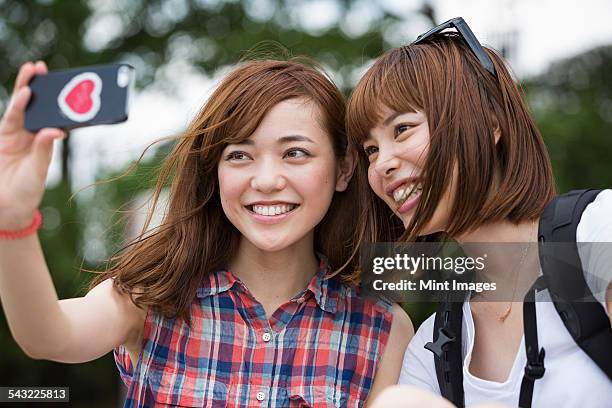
323 289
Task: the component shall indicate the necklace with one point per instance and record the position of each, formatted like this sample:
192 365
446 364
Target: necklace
502 318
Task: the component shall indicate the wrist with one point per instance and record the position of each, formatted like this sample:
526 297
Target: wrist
16 220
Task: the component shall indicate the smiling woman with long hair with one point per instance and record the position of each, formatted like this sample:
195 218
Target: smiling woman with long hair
245 294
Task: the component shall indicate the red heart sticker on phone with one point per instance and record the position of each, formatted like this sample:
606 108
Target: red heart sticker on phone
79 100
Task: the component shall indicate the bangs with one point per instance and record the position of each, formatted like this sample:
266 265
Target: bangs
391 82
242 100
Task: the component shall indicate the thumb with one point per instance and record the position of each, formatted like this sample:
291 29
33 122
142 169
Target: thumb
42 148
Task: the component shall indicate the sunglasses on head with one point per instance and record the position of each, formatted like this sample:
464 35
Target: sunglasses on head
468 36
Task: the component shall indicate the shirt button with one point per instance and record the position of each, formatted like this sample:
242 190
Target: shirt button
300 300
266 337
260 396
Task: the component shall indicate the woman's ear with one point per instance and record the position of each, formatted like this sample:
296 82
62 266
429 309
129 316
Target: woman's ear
496 129
497 134
346 168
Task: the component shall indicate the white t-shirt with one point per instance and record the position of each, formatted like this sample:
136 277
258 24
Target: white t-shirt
572 379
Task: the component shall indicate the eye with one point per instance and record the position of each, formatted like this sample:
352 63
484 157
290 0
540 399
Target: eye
237 156
370 150
401 128
296 153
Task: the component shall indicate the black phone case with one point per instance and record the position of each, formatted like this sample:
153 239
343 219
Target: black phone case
105 83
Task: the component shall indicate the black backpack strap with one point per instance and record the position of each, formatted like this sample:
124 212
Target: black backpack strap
584 317
558 223
447 349
534 369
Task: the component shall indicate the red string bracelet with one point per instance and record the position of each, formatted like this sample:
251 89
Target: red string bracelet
32 228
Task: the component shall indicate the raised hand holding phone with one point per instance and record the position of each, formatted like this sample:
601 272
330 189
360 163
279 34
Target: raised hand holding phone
68 330
24 156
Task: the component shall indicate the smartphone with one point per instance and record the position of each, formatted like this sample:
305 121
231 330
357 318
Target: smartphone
80 97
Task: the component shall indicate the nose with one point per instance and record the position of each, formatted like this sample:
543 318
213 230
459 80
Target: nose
386 163
268 177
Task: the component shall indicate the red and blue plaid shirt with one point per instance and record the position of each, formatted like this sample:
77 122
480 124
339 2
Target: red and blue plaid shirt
321 349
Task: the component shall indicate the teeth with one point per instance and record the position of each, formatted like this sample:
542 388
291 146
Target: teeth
403 192
270 210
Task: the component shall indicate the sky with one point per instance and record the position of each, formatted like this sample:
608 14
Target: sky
546 31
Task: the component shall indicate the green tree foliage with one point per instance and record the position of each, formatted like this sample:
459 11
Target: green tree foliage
572 102
207 33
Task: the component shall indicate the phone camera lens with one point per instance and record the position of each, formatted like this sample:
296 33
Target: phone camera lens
123 77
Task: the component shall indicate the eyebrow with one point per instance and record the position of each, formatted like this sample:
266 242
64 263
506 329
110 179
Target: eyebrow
294 138
284 139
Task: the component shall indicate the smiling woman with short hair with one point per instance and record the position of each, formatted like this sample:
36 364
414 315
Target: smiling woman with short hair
451 148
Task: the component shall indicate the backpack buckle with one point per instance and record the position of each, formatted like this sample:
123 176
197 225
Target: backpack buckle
534 370
445 337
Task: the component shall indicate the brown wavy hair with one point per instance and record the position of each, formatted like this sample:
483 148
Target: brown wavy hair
464 104
163 266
